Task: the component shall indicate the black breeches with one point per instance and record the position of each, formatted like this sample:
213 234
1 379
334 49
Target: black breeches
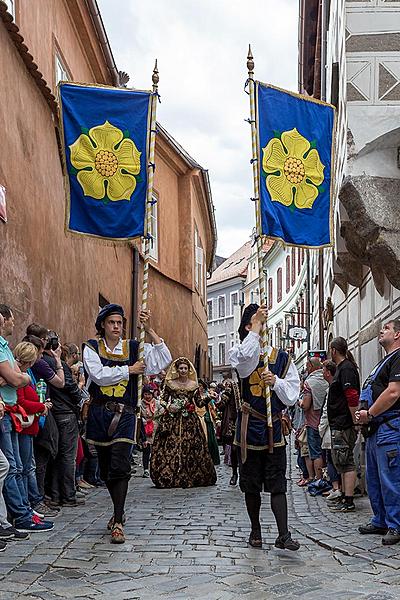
115 470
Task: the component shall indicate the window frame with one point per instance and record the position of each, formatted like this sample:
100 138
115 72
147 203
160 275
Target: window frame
153 229
287 273
232 304
210 303
200 274
270 287
293 265
221 296
279 293
220 346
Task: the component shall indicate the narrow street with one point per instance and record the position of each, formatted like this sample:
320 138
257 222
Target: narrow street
185 544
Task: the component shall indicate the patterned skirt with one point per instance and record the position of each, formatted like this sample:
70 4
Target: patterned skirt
180 457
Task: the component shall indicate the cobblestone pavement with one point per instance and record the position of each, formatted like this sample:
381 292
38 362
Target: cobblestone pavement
184 544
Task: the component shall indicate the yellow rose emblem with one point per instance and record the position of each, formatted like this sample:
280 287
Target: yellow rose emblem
294 170
106 163
115 391
257 385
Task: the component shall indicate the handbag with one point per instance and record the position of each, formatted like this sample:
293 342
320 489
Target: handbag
302 436
26 421
286 424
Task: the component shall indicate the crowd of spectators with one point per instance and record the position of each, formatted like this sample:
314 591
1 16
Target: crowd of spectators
45 464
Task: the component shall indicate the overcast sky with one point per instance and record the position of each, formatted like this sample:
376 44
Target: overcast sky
201 47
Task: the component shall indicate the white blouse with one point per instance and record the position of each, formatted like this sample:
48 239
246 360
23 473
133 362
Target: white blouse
244 357
156 357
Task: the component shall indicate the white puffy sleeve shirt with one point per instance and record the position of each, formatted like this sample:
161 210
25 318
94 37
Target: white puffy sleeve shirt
156 356
244 357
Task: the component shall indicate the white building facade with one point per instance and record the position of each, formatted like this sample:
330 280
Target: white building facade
357 67
224 304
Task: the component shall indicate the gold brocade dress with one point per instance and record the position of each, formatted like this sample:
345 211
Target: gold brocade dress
180 457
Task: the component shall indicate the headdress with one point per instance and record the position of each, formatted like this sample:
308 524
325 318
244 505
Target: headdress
172 372
248 312
106 311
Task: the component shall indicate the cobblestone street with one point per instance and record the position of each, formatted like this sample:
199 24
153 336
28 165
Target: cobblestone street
184 544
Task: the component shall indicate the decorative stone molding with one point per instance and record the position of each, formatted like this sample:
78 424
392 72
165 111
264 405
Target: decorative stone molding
372 234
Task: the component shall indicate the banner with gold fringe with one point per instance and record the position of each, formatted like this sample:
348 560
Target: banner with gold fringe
105 137
295 152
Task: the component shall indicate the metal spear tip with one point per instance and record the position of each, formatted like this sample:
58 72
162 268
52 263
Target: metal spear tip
155 78
250 60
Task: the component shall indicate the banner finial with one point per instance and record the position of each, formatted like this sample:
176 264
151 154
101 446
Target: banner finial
250 61
155 77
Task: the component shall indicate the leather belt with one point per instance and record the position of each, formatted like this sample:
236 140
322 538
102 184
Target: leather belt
118 408
248 410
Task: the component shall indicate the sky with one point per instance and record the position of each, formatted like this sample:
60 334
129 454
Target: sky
201 47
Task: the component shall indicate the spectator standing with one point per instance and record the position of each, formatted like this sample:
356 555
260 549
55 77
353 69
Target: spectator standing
381 417
329 370
14 490
343 401
315 388
46 442
26 354
66 407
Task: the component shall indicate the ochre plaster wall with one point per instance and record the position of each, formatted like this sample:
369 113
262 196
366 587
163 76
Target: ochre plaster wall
45 275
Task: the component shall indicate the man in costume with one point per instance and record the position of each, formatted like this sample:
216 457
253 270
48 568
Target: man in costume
260 469
112 366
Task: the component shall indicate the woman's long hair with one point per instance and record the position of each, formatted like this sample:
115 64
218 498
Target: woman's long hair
340 345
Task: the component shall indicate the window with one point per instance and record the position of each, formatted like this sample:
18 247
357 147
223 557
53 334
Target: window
209 310
234 301
221 353
210 353
270 293
279 284
61 71
199 271
302 312
293 266
153 230
299 263
278 335
287 274
221 306
11 7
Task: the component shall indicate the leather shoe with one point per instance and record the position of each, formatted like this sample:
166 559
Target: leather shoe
286 542
391 537
371 529
255 540
234 479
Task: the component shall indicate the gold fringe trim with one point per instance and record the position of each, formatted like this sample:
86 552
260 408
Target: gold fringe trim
106 241
96 443
332 170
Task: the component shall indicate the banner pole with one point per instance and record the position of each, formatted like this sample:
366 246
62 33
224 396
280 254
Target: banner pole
261 276
148 239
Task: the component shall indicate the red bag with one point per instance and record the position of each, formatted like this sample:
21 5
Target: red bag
149 428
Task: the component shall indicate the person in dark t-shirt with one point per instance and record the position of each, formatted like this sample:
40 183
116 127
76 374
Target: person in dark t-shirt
343 400
380 398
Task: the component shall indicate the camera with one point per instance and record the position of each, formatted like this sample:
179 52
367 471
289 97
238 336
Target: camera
52 342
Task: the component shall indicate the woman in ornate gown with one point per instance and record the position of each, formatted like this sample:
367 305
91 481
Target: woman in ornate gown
180 456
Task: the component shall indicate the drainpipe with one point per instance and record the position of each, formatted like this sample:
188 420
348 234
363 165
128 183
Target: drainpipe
134 290
103 39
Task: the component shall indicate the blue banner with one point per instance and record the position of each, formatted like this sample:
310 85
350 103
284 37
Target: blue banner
295 137
105 137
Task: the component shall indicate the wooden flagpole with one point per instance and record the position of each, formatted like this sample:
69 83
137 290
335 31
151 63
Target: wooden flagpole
148 239
261 276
